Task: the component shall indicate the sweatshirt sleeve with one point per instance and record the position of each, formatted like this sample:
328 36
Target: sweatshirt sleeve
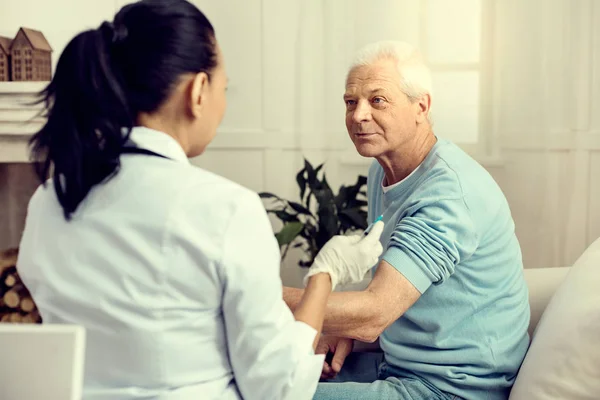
427 245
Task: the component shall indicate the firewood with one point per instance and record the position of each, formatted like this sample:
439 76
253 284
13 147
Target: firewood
12 317
27 304
19 288
15 318
11 299
11 280
31 318
34 317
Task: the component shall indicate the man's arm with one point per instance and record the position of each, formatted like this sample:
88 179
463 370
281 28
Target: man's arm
424 249
366 314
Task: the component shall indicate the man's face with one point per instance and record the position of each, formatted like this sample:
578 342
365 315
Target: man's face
380 118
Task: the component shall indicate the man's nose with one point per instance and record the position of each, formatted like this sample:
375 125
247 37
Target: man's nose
362 112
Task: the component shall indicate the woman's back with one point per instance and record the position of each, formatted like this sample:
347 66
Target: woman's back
125 268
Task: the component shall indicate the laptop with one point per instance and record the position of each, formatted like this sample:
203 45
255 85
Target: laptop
41 361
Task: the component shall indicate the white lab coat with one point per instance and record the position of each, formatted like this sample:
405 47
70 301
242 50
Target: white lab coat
174 273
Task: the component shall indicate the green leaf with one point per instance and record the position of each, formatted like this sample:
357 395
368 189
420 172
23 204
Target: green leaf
319 168
301 183
309 233
313 183
299 208
341 198
323 194
310 172
354 190
266 195
346 224
328 226
357 216
288 233
359 203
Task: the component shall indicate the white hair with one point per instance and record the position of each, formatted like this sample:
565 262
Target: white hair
415 76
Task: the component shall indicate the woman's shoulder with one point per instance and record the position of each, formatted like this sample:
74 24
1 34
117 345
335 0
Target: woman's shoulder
209 195
44 192
211 186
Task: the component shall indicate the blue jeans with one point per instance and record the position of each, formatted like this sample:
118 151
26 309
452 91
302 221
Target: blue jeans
366 376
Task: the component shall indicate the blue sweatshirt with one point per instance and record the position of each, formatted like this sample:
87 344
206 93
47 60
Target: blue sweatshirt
449 231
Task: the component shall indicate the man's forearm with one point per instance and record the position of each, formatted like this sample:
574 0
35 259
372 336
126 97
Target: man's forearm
348 314
292 297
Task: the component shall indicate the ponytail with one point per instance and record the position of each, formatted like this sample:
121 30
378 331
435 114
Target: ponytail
87 115
106 77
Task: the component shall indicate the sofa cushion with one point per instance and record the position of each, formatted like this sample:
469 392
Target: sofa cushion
563 361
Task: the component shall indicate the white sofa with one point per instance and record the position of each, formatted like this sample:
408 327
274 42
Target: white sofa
542 283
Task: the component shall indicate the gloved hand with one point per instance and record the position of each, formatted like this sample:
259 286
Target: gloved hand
348 258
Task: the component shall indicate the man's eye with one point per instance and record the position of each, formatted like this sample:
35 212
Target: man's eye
350 102
378 100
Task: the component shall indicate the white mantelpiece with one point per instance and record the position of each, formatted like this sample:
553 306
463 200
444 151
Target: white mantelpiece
19 119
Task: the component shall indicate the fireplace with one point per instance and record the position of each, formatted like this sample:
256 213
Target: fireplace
17 184
18 120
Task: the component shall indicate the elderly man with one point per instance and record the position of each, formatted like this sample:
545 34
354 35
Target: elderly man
447 301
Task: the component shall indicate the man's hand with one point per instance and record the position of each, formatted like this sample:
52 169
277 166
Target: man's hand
339 348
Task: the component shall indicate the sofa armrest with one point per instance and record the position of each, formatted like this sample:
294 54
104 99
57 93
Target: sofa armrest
542 283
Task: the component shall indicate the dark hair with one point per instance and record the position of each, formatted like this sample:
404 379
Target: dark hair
104 78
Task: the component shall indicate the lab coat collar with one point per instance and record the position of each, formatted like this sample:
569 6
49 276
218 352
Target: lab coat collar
158 142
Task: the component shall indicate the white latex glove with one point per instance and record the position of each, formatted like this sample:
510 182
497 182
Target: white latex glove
348 258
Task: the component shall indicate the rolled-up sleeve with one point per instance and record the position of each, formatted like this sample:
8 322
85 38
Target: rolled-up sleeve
427 245
271 354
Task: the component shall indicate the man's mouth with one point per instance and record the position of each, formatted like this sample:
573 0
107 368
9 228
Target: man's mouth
364 134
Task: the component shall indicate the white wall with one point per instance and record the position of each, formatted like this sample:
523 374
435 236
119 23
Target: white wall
547 79
286 61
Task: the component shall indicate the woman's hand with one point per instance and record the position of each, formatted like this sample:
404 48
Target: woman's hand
348 258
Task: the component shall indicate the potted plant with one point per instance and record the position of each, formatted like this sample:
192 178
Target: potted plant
320 214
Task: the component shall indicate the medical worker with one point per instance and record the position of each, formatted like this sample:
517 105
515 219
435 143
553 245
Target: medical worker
172 270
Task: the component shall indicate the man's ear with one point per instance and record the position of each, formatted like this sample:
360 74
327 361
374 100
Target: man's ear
197 94
423 108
